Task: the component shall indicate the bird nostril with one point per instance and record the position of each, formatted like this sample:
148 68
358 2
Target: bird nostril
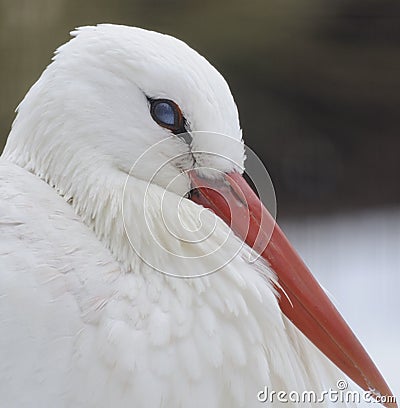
194 192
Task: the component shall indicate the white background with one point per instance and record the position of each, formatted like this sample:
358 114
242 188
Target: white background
356 257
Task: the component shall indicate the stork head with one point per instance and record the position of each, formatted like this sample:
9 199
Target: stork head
114 93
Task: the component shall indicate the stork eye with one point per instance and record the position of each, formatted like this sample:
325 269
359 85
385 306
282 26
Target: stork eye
167 114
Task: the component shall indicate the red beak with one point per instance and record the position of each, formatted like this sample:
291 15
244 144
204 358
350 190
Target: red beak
301 299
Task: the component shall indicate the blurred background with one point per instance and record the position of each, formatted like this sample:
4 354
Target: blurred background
317 86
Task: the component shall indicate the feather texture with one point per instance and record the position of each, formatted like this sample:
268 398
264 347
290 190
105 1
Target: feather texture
90 315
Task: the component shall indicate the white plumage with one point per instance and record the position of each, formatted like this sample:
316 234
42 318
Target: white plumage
84 320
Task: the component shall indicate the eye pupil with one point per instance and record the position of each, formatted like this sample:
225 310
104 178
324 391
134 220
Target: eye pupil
165 113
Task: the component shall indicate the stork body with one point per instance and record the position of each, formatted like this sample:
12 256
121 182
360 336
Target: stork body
83 329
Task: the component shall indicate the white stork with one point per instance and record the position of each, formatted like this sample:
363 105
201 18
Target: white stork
87 318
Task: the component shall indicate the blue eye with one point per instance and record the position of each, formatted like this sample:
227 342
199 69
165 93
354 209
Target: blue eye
167 114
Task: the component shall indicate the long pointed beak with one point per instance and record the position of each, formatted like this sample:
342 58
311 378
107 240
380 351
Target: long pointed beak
301 299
